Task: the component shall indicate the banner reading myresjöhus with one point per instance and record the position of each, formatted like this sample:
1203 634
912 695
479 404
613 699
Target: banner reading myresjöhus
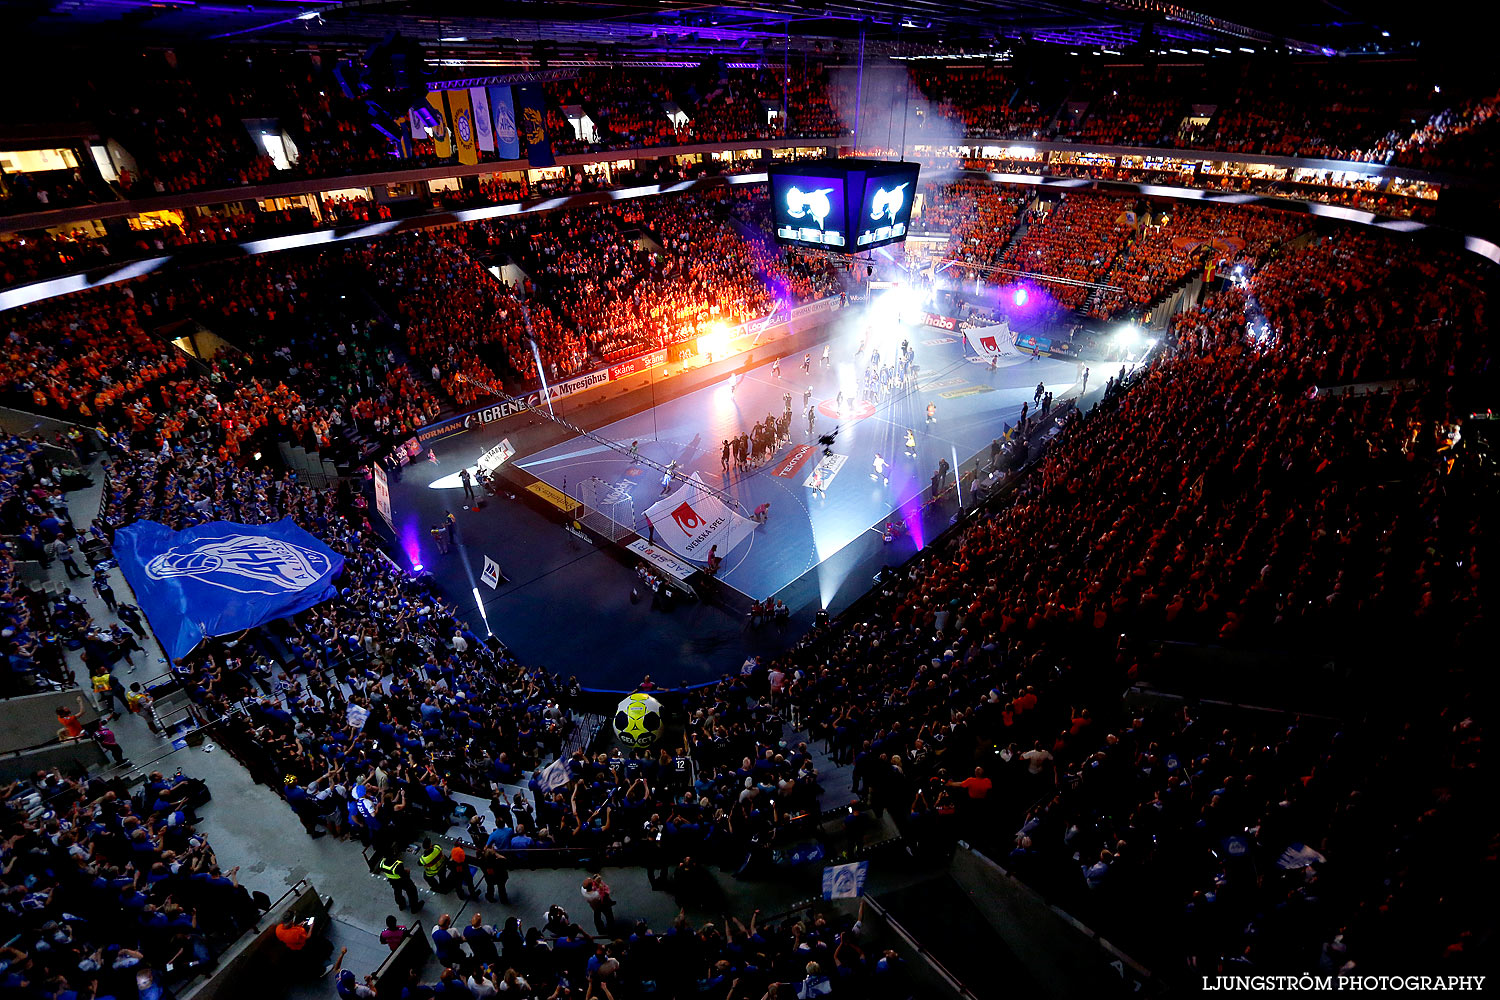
222 577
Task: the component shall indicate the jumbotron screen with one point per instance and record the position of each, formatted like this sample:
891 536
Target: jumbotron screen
842 205
808 210
885 209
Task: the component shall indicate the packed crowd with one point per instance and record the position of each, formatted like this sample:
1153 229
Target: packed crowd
198 120
1077 238
980 217
109 892
1180 240
980 693
454 314
626 295
1346 111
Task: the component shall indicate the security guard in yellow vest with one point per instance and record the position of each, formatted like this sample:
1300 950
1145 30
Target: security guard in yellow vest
104 696
433 865
399 877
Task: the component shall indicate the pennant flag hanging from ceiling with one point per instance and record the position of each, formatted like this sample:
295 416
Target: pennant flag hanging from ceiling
463 126
531 118
507 137
484 123
442 146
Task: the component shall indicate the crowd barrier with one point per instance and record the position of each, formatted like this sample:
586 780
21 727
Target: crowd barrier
394 973
257 958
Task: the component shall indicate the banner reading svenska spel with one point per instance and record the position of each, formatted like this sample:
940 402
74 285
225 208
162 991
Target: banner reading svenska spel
692 520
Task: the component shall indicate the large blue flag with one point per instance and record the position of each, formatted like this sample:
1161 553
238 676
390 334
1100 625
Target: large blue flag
222 577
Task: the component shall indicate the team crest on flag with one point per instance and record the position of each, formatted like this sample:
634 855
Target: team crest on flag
222 577
245 564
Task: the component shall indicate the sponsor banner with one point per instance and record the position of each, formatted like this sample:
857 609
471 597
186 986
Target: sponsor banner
222 577
634 366
990 341
500 411
662 559
1031 340
845 881
968 390
436 431
484 122
692 521
941 384
815 308
578 384
464 135
382 494
793 462
491 574
531 121
876 285
507 137
937 341
554 496
497 456
824 472
940 321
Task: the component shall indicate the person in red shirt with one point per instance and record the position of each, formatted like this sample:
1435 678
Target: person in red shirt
71 727
977 786
292 933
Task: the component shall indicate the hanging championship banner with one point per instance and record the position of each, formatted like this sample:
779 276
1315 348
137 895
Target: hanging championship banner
507 137
484 124
463 126
441 143
531 118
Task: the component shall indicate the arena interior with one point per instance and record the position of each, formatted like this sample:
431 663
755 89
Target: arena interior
669 499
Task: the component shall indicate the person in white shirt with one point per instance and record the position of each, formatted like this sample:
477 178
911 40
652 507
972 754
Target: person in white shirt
511 982
482 984
1036 759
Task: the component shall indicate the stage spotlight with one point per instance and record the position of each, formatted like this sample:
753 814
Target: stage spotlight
1020 297
714 343
906 303
1127 336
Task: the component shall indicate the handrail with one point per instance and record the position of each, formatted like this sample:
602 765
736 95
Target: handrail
911 942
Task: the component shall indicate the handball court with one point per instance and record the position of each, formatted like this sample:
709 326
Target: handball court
563 598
